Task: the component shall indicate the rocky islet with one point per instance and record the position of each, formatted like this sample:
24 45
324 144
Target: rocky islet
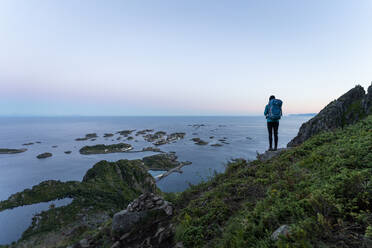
44 155
103 149
11 151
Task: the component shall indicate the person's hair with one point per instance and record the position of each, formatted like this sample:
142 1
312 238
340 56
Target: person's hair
271 98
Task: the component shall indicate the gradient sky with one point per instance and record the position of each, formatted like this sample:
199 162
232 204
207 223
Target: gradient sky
191 57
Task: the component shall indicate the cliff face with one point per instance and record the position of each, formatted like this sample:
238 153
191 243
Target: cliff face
367 101
348 109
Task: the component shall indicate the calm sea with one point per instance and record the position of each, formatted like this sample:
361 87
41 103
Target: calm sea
246 136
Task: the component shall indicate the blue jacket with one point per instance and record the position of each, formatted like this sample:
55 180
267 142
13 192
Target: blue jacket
266 113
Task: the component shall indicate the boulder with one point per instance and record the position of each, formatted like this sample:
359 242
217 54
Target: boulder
150 201
179 245
283 230
146 219
270 154
84 243
123 221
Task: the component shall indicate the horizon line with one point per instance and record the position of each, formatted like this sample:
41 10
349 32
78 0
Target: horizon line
250 115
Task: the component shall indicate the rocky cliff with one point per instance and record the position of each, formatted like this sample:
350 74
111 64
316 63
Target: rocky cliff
347 109
367 101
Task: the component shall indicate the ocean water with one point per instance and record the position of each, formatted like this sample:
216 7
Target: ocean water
246 136
15 221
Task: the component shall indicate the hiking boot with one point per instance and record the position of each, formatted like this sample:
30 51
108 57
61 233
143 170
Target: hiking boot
270 149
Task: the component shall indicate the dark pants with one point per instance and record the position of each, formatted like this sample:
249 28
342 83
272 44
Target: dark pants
270 126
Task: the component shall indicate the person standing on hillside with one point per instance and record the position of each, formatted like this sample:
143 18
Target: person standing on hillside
273 113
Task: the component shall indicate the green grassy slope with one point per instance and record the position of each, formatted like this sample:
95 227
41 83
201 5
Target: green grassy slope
321 189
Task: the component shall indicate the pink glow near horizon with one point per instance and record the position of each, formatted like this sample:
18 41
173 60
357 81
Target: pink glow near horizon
131 58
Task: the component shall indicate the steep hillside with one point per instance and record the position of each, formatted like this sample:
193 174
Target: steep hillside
320 193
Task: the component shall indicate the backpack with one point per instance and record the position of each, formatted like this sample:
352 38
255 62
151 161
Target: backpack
275 109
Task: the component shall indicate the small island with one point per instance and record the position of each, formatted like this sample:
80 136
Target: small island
103 149
164 161
125 133
175 136
199 141
143 132
196 126
160 142
28 144
91 135
44 155
87 136
223 140
67 152
155 136
11 151
162 138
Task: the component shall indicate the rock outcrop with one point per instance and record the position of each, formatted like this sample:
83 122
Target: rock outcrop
367 101
267 155
347 109
146 206
145 223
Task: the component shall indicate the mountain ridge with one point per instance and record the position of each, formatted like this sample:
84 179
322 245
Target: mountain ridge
347 109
